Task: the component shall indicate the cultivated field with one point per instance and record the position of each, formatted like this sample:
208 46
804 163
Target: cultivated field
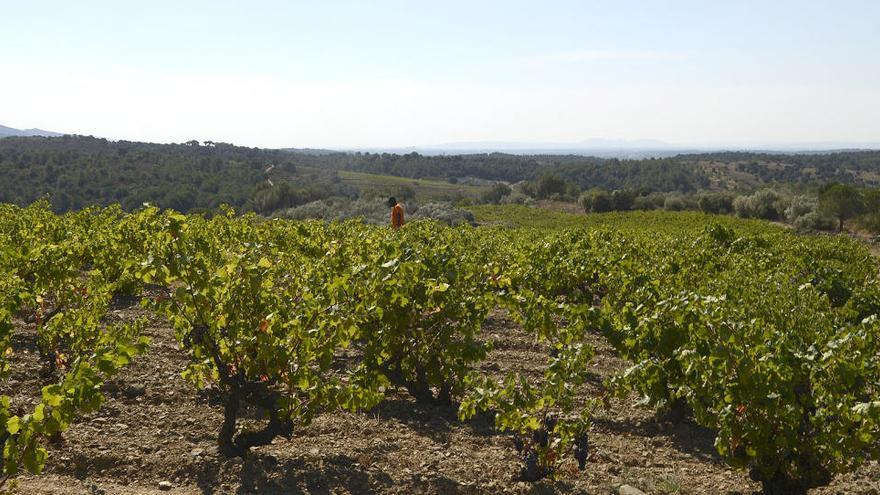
674 352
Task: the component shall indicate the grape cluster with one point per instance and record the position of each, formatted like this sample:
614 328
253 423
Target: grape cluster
582 449
529 450
532 469
540 437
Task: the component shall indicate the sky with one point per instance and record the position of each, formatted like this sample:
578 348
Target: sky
372 74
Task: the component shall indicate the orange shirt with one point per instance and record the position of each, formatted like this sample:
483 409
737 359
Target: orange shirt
397 216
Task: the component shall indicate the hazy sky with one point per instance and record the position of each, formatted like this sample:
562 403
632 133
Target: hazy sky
399 73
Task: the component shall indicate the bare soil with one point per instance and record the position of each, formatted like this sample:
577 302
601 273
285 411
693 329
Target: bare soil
155 427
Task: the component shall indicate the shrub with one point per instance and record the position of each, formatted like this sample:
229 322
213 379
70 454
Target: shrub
516 198
719 203
548 185
870 222
766 204
813 220
445 213
370 210
643 203
741 207
674 203
496 193
622 200
871 201
528 188
596 201
799 206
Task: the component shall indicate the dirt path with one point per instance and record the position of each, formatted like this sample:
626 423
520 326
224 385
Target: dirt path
155 427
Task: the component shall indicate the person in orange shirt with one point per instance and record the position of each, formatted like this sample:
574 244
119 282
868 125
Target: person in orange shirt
396 213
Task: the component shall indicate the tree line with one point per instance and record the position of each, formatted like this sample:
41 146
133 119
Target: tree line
79 171
683 173
73 172
828 207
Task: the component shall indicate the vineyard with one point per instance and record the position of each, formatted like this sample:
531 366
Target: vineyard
536 345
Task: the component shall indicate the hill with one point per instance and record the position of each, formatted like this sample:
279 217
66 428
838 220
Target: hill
729 171
10 131
79 171
75 172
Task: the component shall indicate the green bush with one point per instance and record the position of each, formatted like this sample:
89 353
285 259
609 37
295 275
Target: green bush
444 212
596 201
799 206
719 203
644 203
766 204
496 194
674 203
812 221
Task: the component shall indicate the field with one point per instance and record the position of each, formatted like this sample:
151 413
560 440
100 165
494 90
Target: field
550 216
423 189
674 352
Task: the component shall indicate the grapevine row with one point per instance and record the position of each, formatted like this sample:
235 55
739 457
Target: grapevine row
767 338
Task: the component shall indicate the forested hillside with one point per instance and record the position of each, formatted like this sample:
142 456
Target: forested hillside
585 172
79 171
76 172
747 170
683 173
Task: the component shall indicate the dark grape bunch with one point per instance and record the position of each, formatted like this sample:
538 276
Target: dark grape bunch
529 450
532 469
540 437
550 422
582 449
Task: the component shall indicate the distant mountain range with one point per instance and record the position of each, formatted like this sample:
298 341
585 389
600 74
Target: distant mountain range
595 143
10 131
618 148
639 148
597 147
